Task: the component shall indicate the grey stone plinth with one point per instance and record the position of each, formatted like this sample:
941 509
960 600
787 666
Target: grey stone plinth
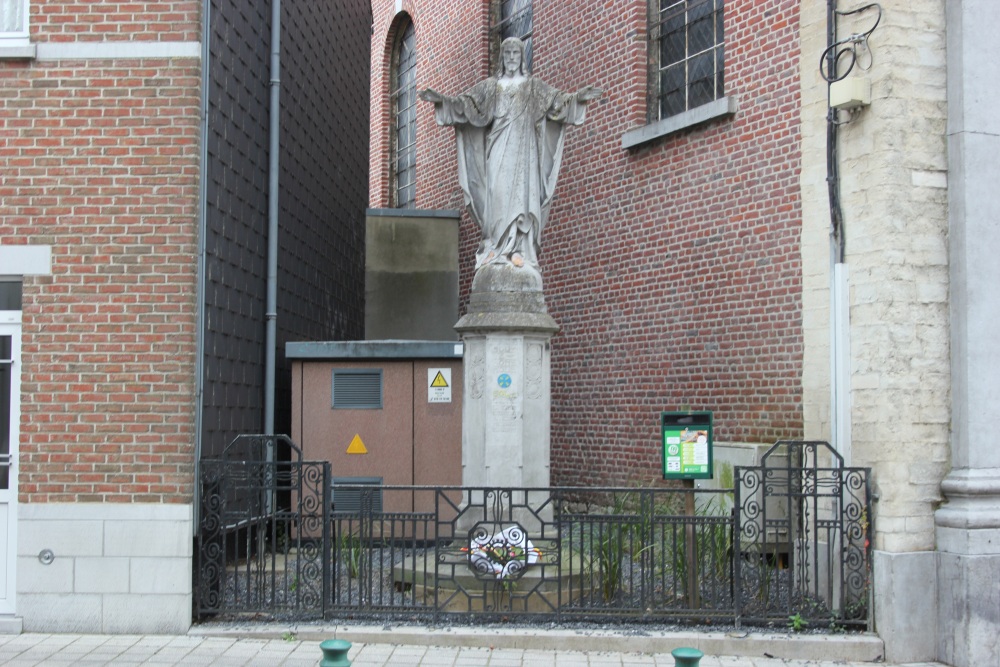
969 604
506 403
506 298
906 615
968 567
506 409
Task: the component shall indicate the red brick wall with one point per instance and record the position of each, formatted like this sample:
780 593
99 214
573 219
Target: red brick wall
100 161
435 28
673 269
93 20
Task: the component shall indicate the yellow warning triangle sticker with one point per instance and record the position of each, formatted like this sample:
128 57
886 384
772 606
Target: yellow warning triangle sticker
356 446
439 380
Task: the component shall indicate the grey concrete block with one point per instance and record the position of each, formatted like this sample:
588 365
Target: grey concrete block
905 605
55 612
146 614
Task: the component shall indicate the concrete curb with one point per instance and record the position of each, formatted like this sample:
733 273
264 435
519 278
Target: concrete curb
848 648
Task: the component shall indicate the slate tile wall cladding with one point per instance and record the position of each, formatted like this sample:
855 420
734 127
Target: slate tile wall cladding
236 234
324 178
673 269
322 198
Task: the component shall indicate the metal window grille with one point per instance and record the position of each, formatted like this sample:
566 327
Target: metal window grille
513 18
403 97
357 389
13 18
687 49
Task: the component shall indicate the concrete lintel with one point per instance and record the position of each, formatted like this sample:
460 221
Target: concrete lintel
412 213
25 260
124 50
375 349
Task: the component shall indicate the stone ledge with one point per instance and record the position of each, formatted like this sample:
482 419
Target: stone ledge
720 108
507 323
18 52
864 647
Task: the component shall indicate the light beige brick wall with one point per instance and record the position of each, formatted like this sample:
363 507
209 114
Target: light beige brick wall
893 169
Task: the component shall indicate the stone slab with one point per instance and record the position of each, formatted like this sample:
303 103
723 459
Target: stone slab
781 646
968 601
906 615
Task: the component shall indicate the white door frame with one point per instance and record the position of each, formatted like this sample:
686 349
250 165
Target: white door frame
10 325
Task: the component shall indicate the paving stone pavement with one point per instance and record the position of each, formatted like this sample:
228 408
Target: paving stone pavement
31 649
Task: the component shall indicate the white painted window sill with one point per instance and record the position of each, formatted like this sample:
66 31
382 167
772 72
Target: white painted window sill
720 108
16 49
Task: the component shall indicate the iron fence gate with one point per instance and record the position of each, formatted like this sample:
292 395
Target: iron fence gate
282 540
263 541
804 526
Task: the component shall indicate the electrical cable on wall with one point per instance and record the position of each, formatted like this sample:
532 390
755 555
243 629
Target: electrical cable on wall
852 48
829 63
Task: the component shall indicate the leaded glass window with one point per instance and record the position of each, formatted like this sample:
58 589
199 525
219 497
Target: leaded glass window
688 55
512 18
403 97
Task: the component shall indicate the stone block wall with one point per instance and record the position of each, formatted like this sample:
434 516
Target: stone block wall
115 568
672 268
893 164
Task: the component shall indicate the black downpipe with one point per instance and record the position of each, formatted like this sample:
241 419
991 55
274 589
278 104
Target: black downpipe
837 241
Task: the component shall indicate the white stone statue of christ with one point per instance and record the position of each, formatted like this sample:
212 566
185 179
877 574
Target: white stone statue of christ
510 131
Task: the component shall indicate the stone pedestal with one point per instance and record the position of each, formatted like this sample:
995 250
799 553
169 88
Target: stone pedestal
968 568
506 401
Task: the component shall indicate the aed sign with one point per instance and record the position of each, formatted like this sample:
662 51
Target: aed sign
687 445
439 385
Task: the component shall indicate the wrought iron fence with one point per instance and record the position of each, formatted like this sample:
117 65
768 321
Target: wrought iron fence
804 522
275 543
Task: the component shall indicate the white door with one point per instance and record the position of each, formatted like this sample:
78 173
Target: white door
10 416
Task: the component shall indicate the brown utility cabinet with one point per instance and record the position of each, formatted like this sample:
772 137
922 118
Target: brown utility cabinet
380 392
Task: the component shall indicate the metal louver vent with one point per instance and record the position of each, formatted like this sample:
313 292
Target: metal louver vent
362 494
357 389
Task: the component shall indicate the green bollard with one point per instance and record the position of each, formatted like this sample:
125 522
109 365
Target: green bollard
335 653
687 657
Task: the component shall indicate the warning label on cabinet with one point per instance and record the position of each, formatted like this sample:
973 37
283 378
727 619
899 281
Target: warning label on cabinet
439 385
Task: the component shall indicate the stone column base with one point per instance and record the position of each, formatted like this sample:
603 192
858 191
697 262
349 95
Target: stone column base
906 608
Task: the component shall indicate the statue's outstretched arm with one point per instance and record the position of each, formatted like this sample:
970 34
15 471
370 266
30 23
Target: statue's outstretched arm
471 107
572 107
588 93
431 95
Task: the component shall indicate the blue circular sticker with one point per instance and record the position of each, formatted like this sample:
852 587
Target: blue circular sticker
503 380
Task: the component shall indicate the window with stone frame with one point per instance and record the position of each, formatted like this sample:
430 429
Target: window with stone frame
403 128
13 20
510 18
687 51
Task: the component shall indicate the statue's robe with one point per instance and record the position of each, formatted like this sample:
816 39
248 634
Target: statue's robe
510 142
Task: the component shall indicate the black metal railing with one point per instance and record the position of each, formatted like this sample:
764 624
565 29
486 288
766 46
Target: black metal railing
792 538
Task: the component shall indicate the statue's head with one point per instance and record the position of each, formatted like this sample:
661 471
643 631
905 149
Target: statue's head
511 50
